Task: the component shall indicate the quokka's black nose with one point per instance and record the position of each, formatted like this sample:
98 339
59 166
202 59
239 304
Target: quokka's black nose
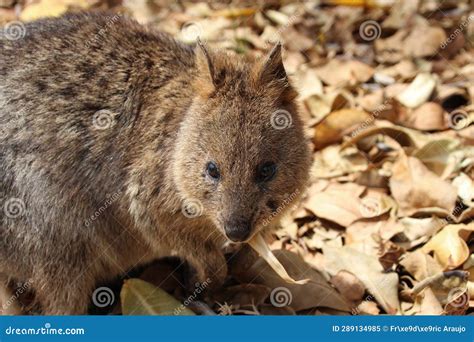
238 231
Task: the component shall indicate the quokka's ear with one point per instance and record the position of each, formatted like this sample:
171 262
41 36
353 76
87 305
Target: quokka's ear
271 75
272 68
204 63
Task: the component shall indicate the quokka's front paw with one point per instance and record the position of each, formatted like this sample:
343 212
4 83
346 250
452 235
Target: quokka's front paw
206 273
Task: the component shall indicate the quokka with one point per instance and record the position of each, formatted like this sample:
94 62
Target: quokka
189 148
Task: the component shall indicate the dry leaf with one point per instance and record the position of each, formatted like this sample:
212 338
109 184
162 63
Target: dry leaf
348 285
234 12
449 245
318 106
317 292
205 29
383 286
370 235
438 156
404 70
465 187
428 304
141 298
418 230
427 117
412 186
390 50
419 91
331 129
332 162
421 265
342 73
308 83
424 41
404 136
261 247
449 288
51 8
367 308
361 3
277 17
400 14
340 204
296 41
141 10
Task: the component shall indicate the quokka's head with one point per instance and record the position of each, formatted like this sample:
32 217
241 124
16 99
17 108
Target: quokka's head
241 156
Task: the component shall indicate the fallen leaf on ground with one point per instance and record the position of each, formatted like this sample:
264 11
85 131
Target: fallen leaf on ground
261 247
332 162
340 73
331 129
418 92
316 292
449 245
424 41
421 265
427 117
141 298
465 187
416 231
437 155
412 186
369 235
383 286
348 285
340 204
51 8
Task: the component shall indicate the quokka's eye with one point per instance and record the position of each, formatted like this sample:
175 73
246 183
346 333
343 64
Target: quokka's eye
213 171
266 172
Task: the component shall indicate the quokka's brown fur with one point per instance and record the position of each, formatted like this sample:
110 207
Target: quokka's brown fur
97 198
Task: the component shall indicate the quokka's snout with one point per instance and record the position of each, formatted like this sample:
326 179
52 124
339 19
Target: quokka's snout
238 229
